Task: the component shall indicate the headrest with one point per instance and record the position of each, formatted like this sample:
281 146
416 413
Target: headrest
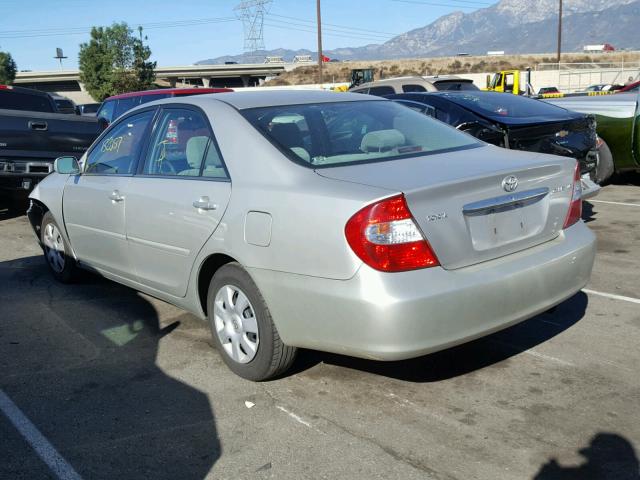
381 140
287 134
195 150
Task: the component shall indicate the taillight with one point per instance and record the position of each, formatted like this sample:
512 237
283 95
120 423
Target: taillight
575 208
385 237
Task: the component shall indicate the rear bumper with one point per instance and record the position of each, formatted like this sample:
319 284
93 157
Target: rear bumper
394 316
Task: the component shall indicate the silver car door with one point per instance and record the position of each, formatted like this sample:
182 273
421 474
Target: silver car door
176 200
94 202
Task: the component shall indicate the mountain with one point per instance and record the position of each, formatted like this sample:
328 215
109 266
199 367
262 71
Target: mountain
515 26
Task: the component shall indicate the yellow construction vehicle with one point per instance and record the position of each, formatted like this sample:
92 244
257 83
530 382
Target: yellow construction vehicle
358 76
510 81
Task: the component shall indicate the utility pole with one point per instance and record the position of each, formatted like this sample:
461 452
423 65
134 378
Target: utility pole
320 56
559 33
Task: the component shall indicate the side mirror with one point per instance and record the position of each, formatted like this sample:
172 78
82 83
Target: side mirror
66 166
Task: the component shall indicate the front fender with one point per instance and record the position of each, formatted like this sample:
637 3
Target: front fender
47 196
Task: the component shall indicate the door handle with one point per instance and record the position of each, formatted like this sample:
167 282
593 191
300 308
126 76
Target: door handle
204 204
36 125
116 197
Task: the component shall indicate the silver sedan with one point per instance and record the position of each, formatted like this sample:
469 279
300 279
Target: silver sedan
337 222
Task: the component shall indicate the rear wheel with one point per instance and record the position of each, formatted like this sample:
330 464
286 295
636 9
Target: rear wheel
56 251
242 328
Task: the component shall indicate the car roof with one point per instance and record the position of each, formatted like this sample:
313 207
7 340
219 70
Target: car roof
272 98
399 81
170 91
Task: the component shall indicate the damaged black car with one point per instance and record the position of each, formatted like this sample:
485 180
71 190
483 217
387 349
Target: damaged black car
515 122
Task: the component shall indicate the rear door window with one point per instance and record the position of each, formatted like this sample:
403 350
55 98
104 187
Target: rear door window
182 145
21 101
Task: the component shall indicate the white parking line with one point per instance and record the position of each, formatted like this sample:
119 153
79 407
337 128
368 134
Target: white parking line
42 447
297 418
611 295
615 203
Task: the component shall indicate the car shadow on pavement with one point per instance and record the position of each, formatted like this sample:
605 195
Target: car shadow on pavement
468 357
80 362
608 457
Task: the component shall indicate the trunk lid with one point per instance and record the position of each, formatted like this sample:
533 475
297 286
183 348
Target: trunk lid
460 202
575 138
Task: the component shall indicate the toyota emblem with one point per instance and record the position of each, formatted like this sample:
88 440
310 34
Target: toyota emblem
510 183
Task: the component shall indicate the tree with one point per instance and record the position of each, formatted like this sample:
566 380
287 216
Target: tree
8 68
115 61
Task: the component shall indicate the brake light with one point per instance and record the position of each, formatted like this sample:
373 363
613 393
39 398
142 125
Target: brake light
575 208
6 87
385 237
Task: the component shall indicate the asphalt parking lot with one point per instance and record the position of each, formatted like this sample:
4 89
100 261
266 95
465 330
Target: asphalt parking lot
111 383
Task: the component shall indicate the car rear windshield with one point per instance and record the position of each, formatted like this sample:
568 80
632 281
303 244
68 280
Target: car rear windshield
23 101
499 105
455 85
341 133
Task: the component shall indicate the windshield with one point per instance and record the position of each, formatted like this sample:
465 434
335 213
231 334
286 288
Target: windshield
330 134
499 105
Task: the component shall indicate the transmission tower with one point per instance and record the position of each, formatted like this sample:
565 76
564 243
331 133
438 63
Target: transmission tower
252 13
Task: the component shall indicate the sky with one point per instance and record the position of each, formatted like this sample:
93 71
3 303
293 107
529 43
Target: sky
181 32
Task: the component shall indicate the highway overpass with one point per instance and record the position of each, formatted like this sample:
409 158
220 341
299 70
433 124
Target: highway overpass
67 82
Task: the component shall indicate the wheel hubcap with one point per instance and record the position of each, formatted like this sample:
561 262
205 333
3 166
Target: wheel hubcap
235 324
54 247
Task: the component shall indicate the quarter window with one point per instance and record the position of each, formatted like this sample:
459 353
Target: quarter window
117 152
380 91
413 88
183 145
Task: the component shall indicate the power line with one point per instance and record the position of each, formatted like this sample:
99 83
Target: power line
343 27
84 30
333 31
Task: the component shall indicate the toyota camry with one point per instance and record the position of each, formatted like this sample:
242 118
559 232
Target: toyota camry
292 219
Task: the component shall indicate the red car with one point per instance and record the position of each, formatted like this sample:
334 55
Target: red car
115 106
632 87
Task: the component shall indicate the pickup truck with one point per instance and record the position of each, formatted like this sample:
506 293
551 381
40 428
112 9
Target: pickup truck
33 134
618 126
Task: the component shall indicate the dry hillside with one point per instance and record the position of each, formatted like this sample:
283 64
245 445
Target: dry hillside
340 71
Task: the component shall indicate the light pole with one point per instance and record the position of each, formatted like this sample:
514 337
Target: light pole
559 32
320 56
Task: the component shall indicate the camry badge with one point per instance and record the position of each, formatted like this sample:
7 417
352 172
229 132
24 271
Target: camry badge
510 183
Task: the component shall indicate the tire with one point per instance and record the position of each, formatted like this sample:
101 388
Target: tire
245 334
605 168
57 252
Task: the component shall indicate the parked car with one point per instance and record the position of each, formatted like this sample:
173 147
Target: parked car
390 86
32 135
515 122
115 106
89 109
632 87
355 225
618 123
547 90
603 87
